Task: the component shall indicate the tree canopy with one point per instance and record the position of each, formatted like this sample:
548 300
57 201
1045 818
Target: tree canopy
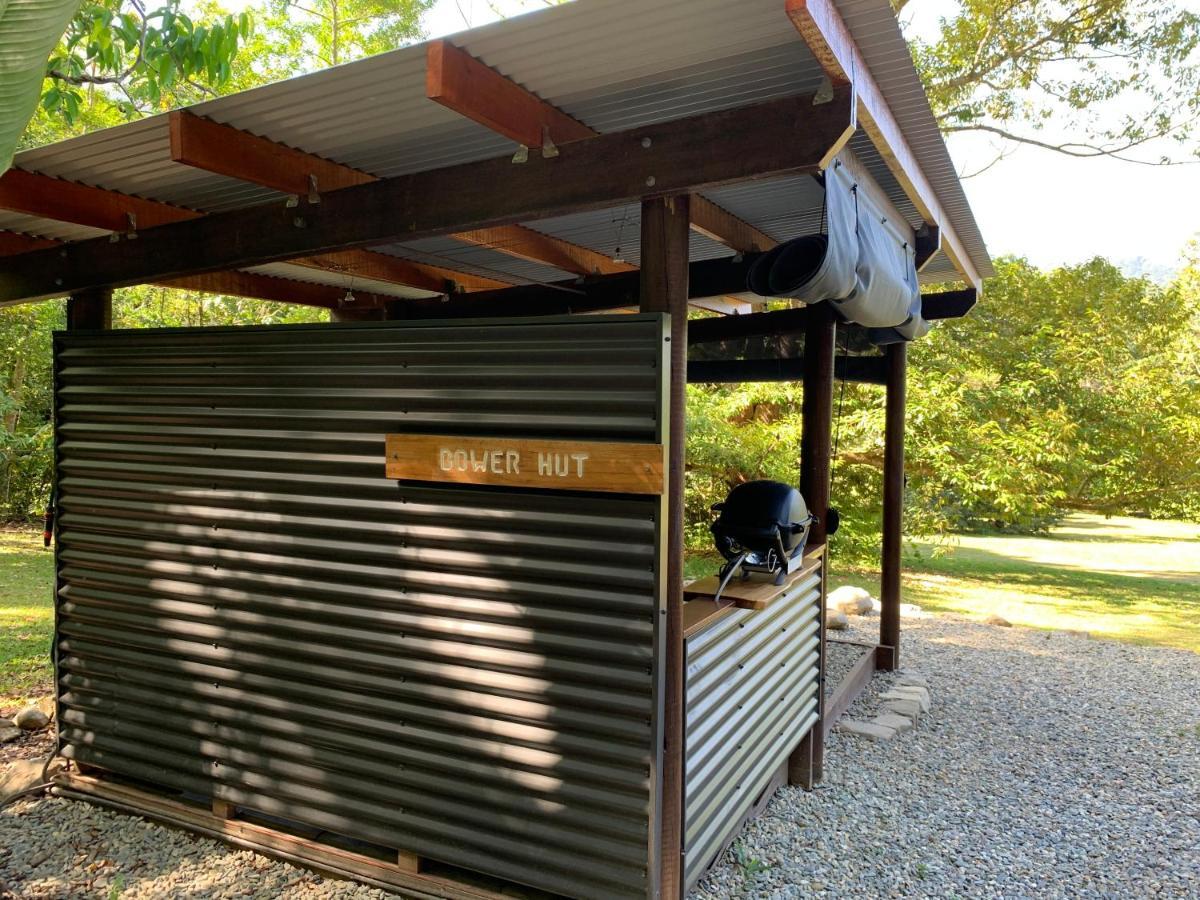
1116 77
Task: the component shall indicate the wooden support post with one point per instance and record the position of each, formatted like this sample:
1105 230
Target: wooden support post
664 288
223 809
408 862
888 657
90 310
807 762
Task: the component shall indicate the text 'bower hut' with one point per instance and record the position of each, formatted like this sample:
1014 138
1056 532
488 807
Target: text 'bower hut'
400 597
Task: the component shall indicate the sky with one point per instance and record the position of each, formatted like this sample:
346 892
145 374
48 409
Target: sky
1047 207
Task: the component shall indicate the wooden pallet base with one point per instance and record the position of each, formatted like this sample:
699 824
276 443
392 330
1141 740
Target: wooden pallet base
409 875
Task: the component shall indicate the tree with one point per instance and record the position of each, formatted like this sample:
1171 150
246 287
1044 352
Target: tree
1116 75
303 35
148 60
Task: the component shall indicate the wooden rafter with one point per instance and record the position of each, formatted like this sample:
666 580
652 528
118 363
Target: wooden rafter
80 204
233 284
785 136
229 151
267 287
472 89
829 39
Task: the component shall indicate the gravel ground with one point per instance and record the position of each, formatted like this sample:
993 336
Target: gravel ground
1051 765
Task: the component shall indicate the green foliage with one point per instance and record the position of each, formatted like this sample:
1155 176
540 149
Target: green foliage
150 60
1012 69
28 31
315 34
1077 389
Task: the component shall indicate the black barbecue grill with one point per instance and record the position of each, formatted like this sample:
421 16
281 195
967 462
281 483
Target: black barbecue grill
761 530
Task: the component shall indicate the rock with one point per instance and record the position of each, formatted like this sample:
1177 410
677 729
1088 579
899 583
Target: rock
31 719
869 730
9 732
904 707
998 620
853 601
23 775
898 724
911 693
836 621
912 678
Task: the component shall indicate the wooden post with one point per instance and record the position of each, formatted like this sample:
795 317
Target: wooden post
90 310
664 288
807 762
888 656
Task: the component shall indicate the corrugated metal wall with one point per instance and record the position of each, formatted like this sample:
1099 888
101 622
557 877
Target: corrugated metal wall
249 610
750 696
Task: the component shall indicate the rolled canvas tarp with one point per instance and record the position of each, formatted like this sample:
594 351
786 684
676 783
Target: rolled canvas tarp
856 263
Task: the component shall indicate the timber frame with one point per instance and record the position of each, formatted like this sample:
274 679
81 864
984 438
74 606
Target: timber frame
330 221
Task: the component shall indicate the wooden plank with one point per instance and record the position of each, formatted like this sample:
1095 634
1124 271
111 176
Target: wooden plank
81 204
753 594
613 467
829 39
699 614
273 842
776 137
848 690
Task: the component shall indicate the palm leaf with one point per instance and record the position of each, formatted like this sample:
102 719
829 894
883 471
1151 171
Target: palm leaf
29 30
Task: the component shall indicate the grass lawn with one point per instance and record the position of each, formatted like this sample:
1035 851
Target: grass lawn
1120 578
1128 579
26 615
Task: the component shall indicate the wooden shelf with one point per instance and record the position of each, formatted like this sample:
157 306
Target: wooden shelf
700 609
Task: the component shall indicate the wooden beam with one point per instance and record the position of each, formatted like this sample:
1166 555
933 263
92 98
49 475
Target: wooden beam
394 270
856 369
280 290
14 242
664 288
707 278
460 82
949 304
893 507
90 310
532 245
229 151
784 136
82 204
827 36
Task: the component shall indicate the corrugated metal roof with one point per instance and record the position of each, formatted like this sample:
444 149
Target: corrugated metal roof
614 64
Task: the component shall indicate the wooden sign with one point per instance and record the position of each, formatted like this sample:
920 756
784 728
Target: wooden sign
528 463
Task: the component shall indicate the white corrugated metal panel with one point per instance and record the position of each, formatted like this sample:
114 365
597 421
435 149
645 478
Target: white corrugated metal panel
614 64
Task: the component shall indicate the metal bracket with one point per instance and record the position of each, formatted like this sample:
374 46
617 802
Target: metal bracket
549 149
314 196
824 93
521 156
